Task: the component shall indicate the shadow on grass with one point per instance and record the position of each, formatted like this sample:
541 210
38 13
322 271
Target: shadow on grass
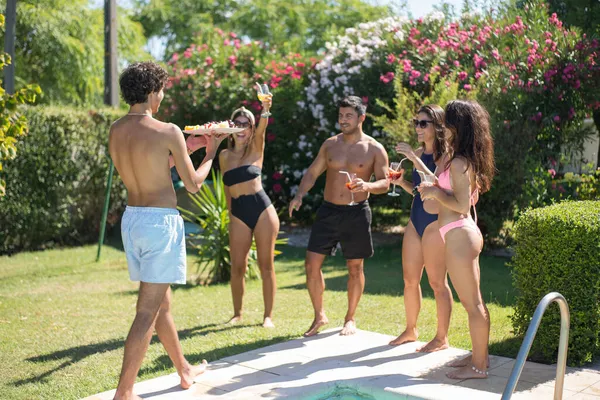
76 354
174 288
383 275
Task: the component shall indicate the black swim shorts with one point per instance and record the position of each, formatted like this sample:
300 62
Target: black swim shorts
348 225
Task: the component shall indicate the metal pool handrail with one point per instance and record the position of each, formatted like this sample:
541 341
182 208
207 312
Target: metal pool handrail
561 363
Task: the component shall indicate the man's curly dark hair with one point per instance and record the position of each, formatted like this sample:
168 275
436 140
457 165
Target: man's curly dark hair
138 80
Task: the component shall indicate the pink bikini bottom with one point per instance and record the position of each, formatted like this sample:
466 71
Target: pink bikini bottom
463 222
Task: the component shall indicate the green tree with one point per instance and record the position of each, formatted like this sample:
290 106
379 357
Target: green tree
287 26
179 21
12 123
584 14
60 45
304 24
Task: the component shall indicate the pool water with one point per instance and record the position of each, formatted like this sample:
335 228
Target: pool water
346 393
355 392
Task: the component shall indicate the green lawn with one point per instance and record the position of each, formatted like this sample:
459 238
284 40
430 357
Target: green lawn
64 318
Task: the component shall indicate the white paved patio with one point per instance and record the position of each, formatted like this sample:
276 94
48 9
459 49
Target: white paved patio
307 368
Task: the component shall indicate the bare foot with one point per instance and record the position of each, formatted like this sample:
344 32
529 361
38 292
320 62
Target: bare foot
316 325
268 323
435 345
409 335
467 372
349 328
463 362
188 374
234 320
127 396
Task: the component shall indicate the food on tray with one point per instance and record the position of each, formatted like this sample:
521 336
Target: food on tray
211 125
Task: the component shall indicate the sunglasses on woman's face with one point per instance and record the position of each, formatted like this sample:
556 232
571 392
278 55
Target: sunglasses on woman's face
421 123
241 124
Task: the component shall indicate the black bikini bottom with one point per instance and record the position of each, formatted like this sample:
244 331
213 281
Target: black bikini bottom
249 207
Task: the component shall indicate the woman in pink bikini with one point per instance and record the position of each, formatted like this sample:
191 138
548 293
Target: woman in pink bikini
468 169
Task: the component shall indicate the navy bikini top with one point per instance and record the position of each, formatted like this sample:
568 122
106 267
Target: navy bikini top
241 174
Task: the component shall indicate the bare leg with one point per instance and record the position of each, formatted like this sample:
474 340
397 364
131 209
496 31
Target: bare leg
356 286
435 264
240 240
316 287
150 298
167 333
412 271
463 246
265 235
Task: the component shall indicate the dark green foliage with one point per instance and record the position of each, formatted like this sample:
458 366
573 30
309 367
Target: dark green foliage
558 250
56 184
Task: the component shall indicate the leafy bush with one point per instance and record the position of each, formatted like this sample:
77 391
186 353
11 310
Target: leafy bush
558 249
12 123
546 187
212 243
56 185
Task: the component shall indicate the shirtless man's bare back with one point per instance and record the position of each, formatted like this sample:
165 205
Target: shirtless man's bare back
143 150
337 221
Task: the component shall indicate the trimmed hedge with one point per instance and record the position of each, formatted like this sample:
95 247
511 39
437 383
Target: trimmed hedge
55 186
558 249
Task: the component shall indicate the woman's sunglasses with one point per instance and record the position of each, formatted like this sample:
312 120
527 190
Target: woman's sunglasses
241 124
421 123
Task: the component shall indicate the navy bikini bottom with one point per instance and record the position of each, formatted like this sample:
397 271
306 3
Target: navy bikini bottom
249 207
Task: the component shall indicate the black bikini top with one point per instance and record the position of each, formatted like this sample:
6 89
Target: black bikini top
241 174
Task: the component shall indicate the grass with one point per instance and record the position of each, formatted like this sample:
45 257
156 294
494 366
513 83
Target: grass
64 318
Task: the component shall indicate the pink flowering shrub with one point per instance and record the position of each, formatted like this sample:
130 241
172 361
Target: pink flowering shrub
216 75
523 65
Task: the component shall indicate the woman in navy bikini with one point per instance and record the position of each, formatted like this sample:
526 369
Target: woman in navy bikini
422 245
250 209
467 170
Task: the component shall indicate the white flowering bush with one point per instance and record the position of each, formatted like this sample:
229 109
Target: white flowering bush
353 65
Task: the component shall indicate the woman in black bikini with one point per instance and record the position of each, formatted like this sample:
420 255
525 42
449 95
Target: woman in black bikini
250 210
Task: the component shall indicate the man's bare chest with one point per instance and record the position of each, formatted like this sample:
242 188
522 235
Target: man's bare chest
351 158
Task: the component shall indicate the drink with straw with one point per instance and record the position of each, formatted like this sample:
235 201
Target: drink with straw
426 179
394 174
351 177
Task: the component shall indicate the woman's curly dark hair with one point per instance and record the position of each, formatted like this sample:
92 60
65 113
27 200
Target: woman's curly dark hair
138 80
471 138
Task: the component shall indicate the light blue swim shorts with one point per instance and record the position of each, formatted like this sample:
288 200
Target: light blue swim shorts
154 243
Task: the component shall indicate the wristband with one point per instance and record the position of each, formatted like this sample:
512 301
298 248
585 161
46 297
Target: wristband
265 115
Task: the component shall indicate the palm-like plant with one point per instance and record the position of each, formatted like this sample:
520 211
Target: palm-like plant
212 243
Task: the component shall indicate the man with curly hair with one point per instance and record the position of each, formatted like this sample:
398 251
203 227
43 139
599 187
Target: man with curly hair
143 150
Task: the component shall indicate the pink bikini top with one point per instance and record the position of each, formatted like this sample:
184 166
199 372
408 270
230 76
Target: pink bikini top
444 183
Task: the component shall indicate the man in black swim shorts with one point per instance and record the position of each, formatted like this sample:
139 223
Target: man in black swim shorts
350 159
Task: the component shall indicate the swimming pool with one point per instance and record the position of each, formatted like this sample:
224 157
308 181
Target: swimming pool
346 392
